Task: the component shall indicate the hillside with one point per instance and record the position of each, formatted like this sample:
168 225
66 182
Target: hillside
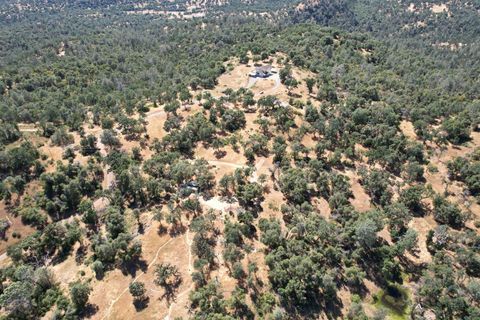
239 160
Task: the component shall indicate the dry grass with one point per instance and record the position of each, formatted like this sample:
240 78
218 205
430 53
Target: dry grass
440 182
406 127
238 77
16 226
234 79
422 225
111 294
323 208
439 8
361 200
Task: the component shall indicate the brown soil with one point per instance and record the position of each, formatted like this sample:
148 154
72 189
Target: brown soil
422 225
16 226
408 130
111 294
235 79
361 200
440 182
323 207
439 8
155 123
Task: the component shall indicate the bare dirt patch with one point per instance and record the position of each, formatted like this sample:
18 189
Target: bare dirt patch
323 207
16 226
272 204
155 121
361 200
448 45
112 296
170 14
61 50
53 152
235 78
262 85
439 8
27 127
408 130
422 225
230 158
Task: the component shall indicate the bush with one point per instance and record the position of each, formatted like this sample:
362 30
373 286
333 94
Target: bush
447 213
61 137
137 289
457 129
98 268
33 216
79 293
233 119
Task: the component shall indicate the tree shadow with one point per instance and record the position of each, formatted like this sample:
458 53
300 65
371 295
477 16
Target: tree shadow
358 288
171 291
219 154
99 275
141 228
132 267
141 303
80 254
311 310
372 268
294 95
177 230
414 270
333 308
89 311
162 230
61 256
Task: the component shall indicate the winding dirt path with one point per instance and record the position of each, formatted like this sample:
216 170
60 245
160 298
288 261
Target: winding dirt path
188 243
155 113
28 129
224 163
258 166
114 301
109 176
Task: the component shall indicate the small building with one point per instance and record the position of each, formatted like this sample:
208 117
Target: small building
189 187
262 71
193 185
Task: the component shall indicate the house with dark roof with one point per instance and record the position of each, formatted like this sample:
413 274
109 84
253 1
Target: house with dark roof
189 187
263 71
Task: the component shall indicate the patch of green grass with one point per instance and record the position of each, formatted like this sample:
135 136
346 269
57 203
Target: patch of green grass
395 299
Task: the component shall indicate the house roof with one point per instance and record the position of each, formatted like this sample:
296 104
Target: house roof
266 68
